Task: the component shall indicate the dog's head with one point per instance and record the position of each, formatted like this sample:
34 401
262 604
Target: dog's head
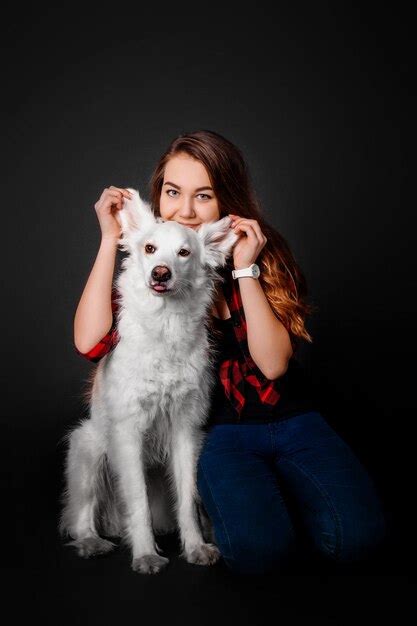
168 255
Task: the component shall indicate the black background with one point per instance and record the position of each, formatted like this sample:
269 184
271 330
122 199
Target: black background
317 99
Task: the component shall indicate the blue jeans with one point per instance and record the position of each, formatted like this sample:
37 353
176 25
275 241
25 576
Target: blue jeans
267 486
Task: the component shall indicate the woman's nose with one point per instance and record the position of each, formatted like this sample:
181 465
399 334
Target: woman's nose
186 207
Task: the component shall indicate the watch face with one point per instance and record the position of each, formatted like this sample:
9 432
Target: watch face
255 271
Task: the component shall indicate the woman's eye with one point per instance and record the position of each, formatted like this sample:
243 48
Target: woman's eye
184 252
172 193
149 248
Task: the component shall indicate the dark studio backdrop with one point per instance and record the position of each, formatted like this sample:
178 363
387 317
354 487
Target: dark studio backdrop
317 101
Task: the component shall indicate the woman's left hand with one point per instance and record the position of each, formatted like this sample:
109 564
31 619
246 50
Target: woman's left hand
250 243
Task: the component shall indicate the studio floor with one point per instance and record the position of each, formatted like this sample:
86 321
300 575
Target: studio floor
61 588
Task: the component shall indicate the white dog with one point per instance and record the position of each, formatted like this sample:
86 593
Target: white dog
131 467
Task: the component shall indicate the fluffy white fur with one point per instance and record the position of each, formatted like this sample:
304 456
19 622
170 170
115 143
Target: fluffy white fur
130 468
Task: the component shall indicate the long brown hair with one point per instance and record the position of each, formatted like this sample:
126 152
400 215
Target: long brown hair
281 278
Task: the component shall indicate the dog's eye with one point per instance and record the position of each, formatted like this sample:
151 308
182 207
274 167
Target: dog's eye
149 248
184 252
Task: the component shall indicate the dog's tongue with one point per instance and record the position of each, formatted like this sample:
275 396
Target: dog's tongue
159 287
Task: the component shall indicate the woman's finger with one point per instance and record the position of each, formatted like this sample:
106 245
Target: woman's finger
124 192
251 228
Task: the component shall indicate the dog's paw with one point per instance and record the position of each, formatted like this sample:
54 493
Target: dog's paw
149 564
204 554
91 546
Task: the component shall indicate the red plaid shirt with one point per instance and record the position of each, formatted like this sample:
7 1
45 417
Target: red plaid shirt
233 372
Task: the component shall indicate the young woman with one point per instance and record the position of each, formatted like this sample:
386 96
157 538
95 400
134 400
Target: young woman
272 473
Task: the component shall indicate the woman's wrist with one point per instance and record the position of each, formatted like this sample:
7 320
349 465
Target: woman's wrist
109 241
241 266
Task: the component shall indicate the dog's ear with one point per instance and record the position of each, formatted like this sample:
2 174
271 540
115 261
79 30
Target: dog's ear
218 240
136 215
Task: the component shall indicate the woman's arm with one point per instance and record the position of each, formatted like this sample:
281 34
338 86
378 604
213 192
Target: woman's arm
94 315
268 340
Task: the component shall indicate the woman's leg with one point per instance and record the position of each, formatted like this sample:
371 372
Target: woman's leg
332 491
238 487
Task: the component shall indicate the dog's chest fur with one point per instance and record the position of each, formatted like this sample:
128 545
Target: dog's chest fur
159 368
171 349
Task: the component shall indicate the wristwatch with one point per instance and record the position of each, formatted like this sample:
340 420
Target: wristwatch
253 271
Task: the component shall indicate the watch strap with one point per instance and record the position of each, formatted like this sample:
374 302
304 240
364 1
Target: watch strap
252 271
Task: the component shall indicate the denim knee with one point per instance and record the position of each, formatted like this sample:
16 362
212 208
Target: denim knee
367 544
355 548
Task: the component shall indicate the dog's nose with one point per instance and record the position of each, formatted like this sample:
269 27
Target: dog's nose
161 273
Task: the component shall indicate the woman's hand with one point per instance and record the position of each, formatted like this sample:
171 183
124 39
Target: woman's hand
249 244
111 201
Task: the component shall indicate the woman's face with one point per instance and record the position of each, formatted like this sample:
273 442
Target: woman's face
187 196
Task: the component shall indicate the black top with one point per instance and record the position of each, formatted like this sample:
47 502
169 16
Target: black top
297 394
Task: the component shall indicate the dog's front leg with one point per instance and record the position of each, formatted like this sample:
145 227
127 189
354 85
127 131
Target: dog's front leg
126 458
186 443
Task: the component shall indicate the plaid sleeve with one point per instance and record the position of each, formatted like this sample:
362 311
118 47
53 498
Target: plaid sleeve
109 341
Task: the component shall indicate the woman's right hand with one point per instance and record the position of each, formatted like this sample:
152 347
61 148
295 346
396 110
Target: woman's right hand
107 206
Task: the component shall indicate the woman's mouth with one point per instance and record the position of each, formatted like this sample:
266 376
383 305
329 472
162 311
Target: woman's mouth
190 225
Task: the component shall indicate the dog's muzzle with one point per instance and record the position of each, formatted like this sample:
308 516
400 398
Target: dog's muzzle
160 276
